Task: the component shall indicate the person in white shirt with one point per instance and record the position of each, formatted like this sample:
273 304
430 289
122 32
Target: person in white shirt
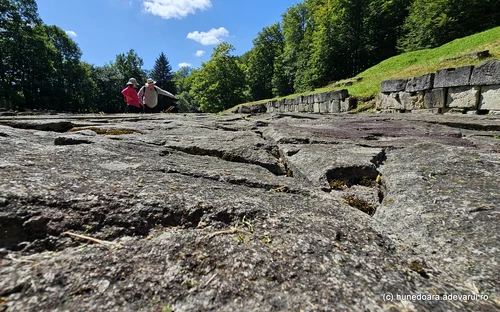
148 96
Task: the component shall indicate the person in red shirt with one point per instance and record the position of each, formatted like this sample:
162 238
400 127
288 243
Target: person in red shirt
131 97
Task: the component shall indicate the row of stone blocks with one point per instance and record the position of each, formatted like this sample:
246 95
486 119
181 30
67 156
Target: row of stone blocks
463 89
326 102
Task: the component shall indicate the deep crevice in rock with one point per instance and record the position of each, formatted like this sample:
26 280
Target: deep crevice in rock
58 126
275 168
243 182
467 126
41 231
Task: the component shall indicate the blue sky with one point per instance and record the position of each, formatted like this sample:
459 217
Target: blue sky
185 30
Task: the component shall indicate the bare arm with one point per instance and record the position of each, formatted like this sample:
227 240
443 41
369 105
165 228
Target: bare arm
163 92
141 94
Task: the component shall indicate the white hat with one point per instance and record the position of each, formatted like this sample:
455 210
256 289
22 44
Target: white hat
150 81
132 81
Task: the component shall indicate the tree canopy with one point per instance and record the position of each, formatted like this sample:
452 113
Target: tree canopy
315 42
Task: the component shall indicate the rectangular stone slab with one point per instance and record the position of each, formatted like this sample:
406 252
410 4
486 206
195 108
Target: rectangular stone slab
453 77
490 98
486 73
463 97
435 98
420 83
394 85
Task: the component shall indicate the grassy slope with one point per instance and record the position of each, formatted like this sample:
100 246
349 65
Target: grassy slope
452 54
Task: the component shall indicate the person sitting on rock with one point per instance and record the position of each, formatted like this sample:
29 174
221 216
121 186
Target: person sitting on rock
148 96
131 97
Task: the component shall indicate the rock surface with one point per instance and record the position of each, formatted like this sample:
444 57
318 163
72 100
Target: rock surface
276 212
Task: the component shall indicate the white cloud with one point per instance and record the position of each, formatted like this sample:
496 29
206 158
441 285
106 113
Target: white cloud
213 36
71 33
179 9
199 53
184 64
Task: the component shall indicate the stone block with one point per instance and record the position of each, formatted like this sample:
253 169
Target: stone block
420 83
311 99
388 101
413 100
394 85
319 97
323 107
490 98
427 111
337 95
348 104
316 108
435 98
334 106
270 107
453 77
454 111
463 97
486 73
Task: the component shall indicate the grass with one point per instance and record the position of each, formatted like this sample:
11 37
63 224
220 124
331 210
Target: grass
451 55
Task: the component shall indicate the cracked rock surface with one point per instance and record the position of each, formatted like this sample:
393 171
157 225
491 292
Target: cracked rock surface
276 212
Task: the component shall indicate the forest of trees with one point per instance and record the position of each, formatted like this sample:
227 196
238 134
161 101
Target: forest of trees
316 42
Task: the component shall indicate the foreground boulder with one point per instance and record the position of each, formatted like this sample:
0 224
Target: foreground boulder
278 212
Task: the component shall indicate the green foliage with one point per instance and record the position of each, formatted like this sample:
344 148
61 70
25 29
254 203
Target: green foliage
434 22
268 46
220 83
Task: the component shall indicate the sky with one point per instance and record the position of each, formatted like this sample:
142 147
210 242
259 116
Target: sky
186 31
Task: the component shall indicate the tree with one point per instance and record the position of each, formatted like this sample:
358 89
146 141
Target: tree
184 78
290 67
129 66
109 82
431 23
63 89
162 74
220 84
268 46
24 53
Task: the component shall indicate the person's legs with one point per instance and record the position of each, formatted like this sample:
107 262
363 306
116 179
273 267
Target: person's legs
133 109
150 110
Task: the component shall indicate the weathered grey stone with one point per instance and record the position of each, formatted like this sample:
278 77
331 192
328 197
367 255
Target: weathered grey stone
486 73
463 97
337 95
420 83
71 140
348 104
334 106
190 217
413 100
323 107
316 108
490 98
389 101
394 85
435 98
319 97
427 111
454 111
453 77
252 109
